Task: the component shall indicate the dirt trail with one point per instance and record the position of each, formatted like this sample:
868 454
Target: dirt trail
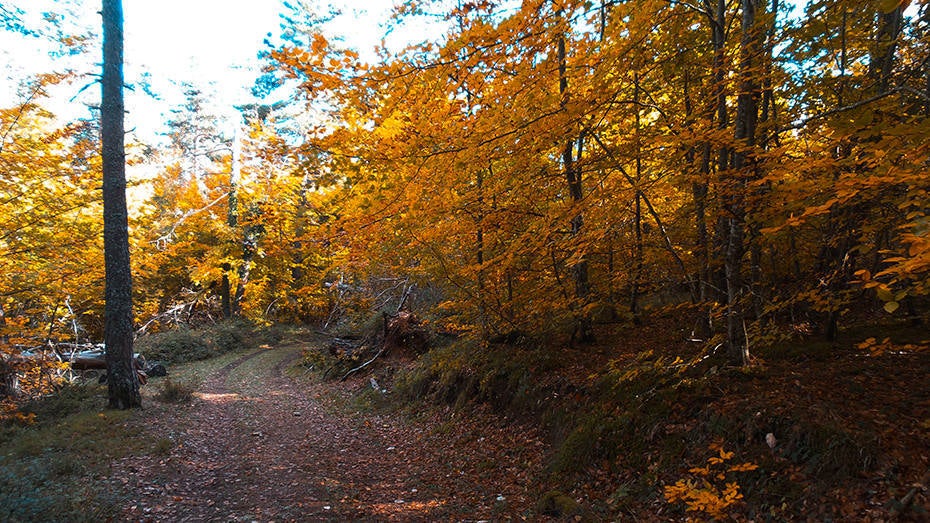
257 445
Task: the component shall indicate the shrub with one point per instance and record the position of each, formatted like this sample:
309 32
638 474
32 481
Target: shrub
230 335
175 392
174 346
70 399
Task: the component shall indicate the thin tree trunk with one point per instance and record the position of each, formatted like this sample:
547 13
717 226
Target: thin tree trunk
479 254
716 266
248 252
637 213
699 196
122 381
583 330
881 62
225 292
745 134
229 304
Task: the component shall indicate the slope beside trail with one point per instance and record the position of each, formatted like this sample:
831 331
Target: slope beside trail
258 445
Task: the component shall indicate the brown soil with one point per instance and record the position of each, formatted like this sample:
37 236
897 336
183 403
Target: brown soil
850 442
258 445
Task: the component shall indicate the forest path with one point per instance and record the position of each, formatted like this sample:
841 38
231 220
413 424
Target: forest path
258 445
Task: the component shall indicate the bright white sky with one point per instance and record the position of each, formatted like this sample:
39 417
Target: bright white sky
201 42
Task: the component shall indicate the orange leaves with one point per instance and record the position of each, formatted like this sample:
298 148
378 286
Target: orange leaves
50 251
712 490
877 348
447 161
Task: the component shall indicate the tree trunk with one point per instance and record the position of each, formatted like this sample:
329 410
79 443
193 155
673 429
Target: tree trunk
118 336
747 111
479 252
881 61
699 196
248 252
718 109
230 307
9 380
583 329
637 213
225 292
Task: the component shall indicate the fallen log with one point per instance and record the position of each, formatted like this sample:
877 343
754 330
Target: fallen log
96 360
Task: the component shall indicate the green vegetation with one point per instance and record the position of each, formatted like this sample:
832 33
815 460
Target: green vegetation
185 344
631 421
45 465
173 391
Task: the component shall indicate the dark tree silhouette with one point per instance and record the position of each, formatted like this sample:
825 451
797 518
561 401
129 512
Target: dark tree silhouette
123 382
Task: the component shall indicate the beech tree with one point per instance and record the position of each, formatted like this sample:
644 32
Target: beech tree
123 384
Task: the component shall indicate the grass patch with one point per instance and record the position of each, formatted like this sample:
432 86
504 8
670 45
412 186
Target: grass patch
184 344
463 372
175 346
174 391
45 466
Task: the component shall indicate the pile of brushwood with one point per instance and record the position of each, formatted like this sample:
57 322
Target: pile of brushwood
399 334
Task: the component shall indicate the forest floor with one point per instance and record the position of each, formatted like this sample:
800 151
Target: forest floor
259 443
809 432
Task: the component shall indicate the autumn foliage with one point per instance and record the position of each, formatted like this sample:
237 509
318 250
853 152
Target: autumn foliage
541 168
541 175
553 164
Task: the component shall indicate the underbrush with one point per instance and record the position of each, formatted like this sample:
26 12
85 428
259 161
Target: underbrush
466 371
809 427
359 342
185 344
173 391
45 464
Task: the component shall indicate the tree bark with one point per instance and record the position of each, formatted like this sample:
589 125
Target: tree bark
717 110
232 220
583 329
118 335
747 114
881 62
637 212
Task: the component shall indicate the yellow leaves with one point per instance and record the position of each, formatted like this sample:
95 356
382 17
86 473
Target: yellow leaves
877 348
50 248
704 497
887 6
731 494
743 467
713 491
724 456
318 43
391 126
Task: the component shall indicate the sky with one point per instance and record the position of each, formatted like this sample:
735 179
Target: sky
212 44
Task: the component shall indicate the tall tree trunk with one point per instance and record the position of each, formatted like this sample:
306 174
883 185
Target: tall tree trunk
881 61
718 109
835 260
226 292
230 308
637 212
747 111
249 244
922 35
583 329
479 252
249 241
699 196
122 379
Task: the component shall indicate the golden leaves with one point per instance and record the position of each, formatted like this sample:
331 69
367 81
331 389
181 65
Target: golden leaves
711 490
